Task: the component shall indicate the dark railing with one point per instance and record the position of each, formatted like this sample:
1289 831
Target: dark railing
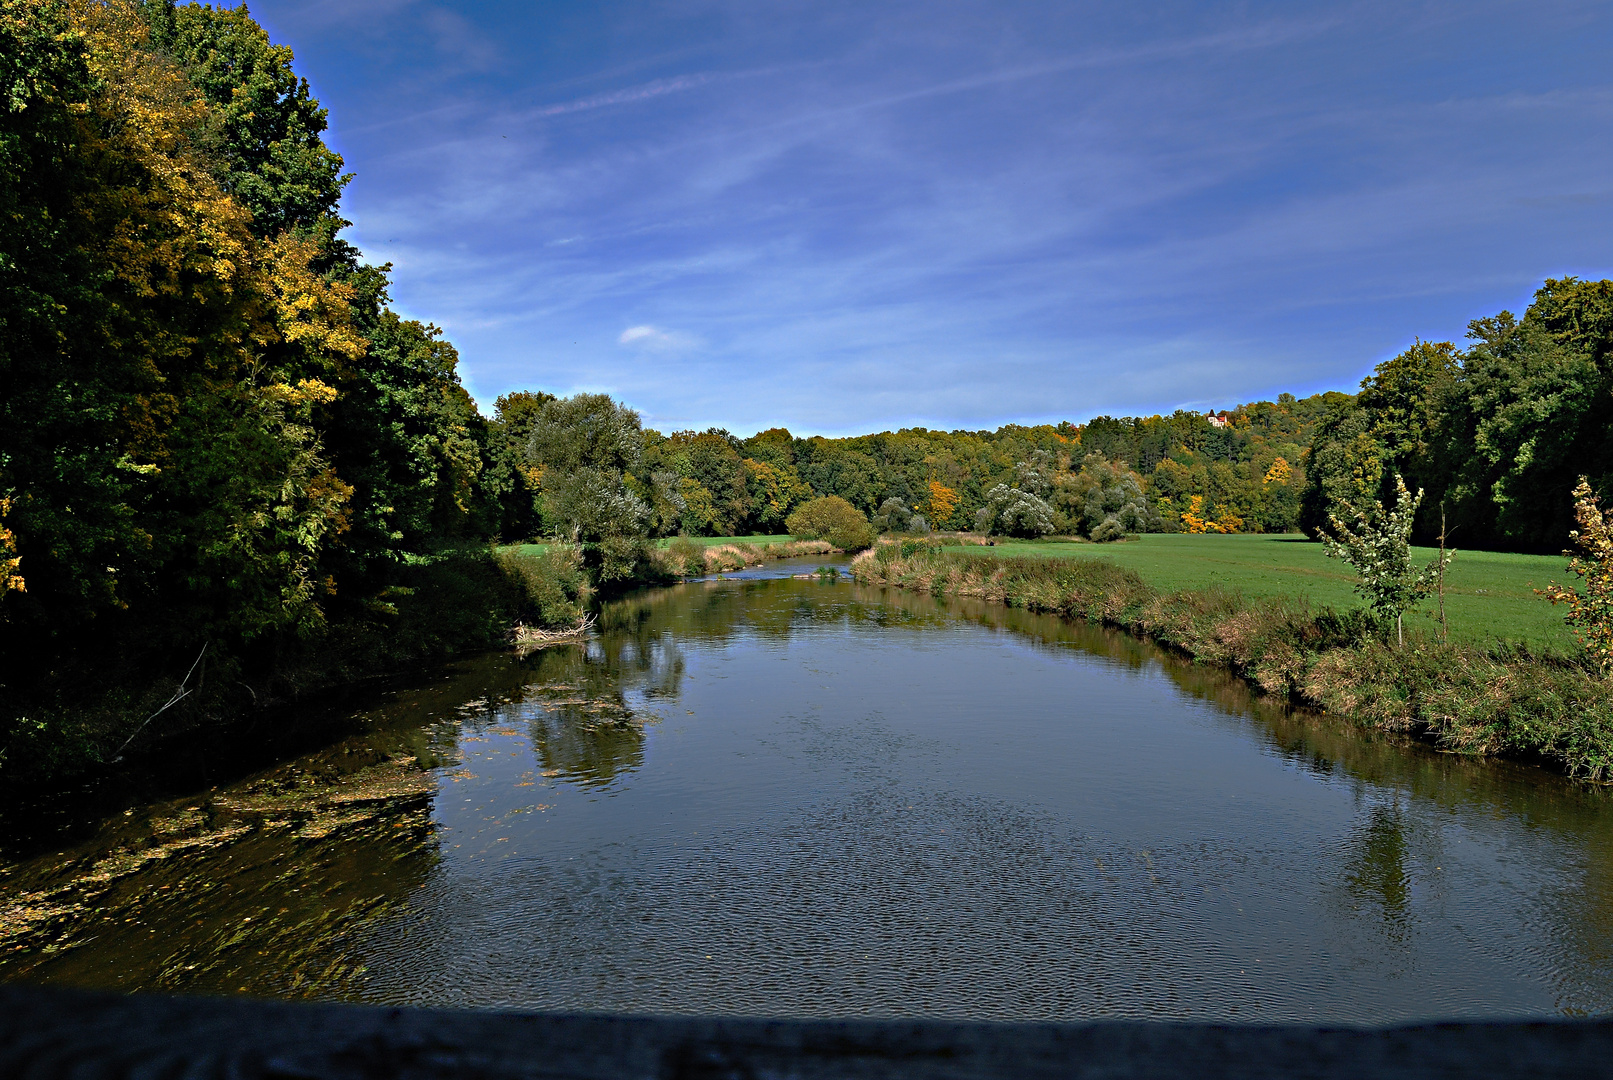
47 1033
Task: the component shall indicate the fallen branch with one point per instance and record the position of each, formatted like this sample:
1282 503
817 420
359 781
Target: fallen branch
530 638
179 695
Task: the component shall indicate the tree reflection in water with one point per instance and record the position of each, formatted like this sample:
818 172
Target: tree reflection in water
1376 872
585 707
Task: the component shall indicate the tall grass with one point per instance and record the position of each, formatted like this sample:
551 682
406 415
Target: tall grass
1464 697
684 558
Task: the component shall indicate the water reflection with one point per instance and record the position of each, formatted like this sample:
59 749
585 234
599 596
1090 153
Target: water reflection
584 707
1375 869
812 798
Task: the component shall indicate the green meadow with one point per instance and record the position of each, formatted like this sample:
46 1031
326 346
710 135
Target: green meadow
1488 595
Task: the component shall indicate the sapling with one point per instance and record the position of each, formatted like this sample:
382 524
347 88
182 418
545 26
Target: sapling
1590 613
1378 546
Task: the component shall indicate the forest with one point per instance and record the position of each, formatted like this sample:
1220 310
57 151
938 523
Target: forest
230 473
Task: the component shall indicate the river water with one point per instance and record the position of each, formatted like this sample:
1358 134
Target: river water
773 796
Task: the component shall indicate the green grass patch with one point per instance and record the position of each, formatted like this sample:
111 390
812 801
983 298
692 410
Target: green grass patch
1488 595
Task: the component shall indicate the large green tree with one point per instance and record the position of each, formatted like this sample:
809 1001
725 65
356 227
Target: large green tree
265 129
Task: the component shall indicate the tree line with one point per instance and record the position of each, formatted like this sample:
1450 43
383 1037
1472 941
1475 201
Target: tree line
219 441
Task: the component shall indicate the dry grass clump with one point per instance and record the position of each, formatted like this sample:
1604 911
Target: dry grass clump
1467 698
686 558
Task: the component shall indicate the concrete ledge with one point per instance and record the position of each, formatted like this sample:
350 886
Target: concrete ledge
47 1033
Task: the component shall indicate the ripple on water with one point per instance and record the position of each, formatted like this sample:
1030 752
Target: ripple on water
888 903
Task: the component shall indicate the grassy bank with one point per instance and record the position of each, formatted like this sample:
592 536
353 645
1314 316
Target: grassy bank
1465 696
685 556
1488 595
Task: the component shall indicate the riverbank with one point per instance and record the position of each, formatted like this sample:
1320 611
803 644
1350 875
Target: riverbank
1489 595
687 557
128 711
1463 696
131 710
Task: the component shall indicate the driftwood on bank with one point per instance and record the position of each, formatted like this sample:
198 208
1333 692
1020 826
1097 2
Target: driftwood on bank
48 1033
530 638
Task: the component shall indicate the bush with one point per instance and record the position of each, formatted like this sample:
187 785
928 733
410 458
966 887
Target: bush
833 519
1107 530
686 558
548 586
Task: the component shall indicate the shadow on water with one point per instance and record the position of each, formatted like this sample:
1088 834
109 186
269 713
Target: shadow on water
280 881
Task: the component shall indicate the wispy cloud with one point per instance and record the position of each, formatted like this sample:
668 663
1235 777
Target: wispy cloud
642 92
968 213
653 337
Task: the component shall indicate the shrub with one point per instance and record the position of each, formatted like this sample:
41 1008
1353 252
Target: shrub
833 519
1378 547
548 586
1108 529
685 558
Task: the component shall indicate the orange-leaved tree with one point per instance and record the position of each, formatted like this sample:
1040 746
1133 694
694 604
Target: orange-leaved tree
940 504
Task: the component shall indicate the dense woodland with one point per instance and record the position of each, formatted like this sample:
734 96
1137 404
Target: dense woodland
230 472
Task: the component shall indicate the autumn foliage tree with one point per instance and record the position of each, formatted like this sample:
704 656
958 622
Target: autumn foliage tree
1590 612
212 431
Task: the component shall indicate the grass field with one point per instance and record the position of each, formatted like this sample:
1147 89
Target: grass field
1487 595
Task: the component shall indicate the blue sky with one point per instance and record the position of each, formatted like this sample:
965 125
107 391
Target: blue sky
845 217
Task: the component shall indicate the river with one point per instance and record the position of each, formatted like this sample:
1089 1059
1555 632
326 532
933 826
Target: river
770 795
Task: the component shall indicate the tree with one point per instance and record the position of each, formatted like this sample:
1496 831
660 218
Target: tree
850 474
1404 398
409 437
775 490
1344 467
1378 547
833 519
940 503
723 505
1104 495
1197 520
894 516
265 130
1590 613
10 562
1014 512
587 446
